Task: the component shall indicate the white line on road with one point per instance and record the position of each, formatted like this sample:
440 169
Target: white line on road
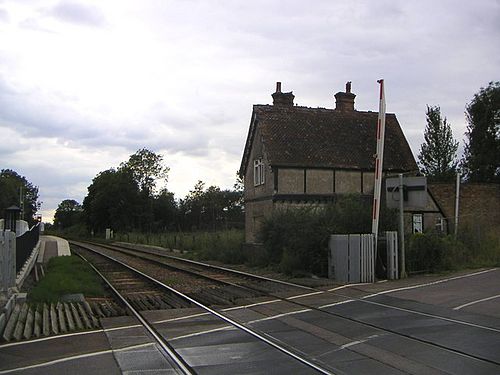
428 284
80 356
50 338
476 301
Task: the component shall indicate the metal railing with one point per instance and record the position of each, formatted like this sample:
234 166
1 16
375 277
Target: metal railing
25 245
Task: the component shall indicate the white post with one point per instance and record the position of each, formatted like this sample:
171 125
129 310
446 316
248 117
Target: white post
457 196
402 226
379 161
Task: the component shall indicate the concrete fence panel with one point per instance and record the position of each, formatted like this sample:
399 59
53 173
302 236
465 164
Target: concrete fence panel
351 258
7 260
392 255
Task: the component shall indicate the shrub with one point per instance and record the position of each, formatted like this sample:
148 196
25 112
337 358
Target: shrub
296 239
432 252
224 246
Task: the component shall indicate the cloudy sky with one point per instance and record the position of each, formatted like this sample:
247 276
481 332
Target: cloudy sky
84 84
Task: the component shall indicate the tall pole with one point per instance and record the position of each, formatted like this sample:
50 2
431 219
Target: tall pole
21 202
379 159
457 196
402 226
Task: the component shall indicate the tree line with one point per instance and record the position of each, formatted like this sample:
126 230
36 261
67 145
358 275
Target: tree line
481 160
128 199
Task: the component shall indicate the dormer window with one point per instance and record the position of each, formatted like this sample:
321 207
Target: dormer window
258 172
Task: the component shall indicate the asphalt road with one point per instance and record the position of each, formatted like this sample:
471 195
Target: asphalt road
426 325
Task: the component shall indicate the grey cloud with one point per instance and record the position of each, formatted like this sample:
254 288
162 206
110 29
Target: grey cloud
4 16
33 116
78 13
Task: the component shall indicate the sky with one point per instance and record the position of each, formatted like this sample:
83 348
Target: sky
85 84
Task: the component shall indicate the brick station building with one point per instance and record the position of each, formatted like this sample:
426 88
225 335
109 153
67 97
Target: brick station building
296 156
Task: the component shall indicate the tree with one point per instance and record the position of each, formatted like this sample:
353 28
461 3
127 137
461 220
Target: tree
438 152
146 167
164 211
211 208
481 161
68 213
10 184
112 201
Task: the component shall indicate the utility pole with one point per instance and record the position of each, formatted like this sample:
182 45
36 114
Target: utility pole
457 196
21 202
402 226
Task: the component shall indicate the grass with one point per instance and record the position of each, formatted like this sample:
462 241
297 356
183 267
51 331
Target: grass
66 275
223 246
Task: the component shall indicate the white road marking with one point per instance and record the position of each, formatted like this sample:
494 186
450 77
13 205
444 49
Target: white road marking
306 295
336 303
359 341
223 328
229 327
251 305
428 284
66 359
278 316
474 302
50 338
435 316
344 286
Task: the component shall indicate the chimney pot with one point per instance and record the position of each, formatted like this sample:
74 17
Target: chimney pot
344 101
282 99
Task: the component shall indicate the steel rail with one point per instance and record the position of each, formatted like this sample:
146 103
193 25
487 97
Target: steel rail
223 317
354 299
229 270
172 354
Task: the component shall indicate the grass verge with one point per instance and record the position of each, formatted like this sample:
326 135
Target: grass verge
66 275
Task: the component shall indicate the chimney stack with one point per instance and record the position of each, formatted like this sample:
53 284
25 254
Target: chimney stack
344 101
282 99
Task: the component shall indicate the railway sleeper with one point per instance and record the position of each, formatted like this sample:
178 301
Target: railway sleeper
175 302
224 293
210 298
243 293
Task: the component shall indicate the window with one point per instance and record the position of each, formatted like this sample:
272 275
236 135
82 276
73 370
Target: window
440 224
258 172
418 223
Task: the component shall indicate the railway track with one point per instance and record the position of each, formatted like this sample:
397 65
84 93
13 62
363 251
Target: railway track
128 282
194 308
284 292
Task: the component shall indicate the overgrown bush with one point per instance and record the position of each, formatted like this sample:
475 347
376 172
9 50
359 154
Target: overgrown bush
296 239
223 246
432 252
483 244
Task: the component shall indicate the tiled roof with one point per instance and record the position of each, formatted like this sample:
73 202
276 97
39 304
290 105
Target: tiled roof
328 138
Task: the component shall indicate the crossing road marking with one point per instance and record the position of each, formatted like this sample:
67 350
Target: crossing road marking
476 301
429 284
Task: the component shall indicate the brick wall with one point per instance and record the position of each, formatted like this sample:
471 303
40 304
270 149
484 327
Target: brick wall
478 203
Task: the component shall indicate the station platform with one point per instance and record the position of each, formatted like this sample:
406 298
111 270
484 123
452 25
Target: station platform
51 246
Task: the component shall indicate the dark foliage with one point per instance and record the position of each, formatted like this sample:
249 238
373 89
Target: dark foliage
211 208
481 162
10 182
68 213
296 239
437 156
112 201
